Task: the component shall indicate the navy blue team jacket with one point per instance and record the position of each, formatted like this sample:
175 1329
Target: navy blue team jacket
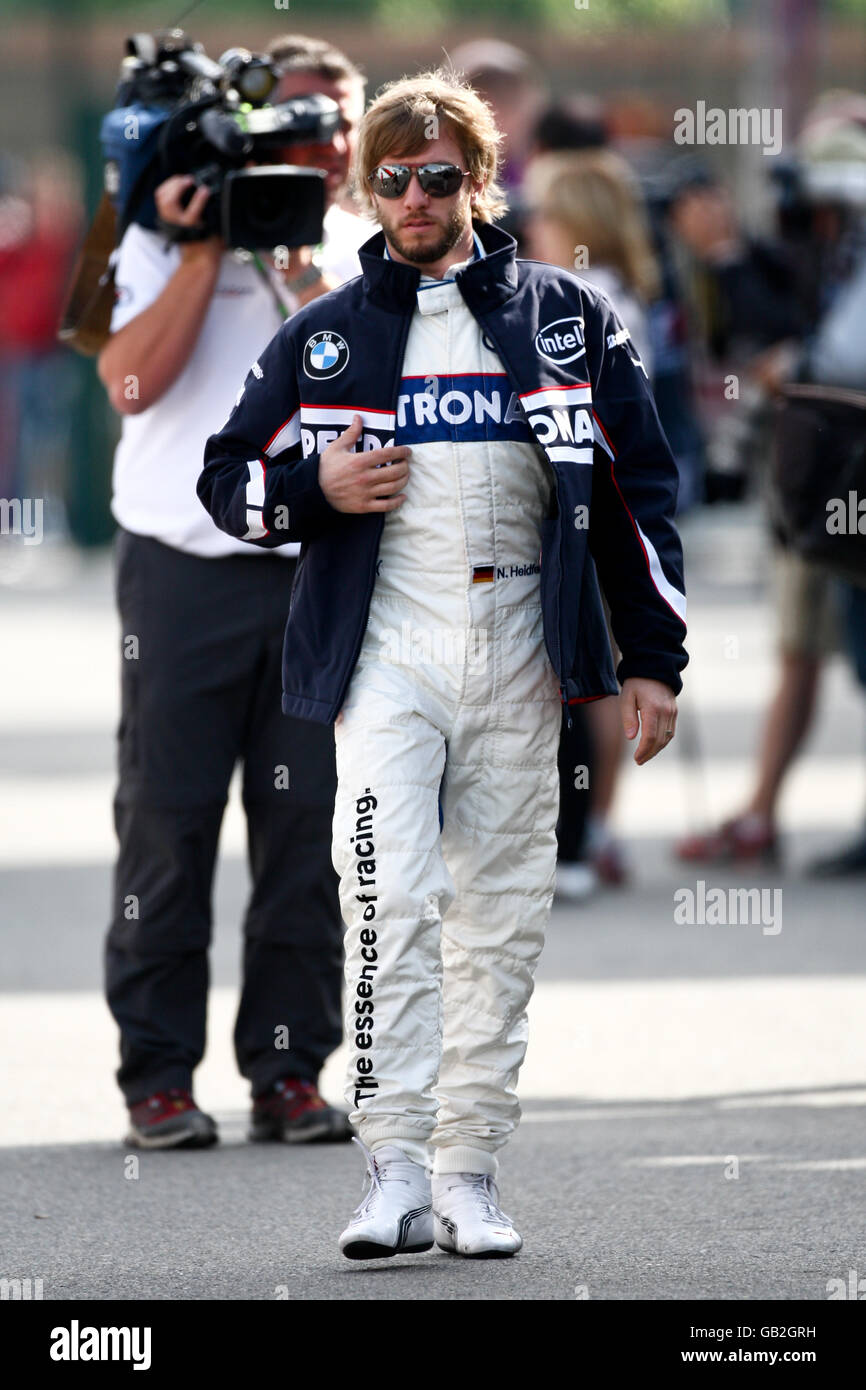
576 381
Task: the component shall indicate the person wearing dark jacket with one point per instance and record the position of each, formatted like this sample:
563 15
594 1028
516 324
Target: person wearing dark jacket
465 444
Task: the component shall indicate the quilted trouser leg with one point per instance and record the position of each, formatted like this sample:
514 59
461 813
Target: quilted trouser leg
393 889
500 802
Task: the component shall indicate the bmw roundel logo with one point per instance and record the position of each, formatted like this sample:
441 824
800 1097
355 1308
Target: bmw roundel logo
561 341
325 354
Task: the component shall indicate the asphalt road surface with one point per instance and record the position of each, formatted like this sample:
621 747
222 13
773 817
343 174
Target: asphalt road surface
693 1095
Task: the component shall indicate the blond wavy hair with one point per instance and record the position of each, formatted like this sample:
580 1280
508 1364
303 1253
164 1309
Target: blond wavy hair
407 114
594 196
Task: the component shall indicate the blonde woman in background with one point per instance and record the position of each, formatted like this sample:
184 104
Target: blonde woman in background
585 213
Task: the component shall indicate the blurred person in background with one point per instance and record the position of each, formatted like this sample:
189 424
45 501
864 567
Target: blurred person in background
743 295
202 691
815 612
507 79
835 358
569 123
638 128
345 231
40 223
15 228
832 366
584 213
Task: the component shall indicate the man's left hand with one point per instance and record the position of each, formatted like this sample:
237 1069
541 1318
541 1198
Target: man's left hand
656 704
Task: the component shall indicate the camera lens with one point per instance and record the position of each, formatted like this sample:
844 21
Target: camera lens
255 83
266 203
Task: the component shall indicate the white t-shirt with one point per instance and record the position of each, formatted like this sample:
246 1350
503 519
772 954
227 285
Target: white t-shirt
159 457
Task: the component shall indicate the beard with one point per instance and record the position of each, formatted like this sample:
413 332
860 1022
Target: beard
427 255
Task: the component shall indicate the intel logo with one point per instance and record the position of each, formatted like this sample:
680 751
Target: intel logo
561 341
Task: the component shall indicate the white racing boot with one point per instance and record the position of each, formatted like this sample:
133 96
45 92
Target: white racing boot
467 1218
395 1217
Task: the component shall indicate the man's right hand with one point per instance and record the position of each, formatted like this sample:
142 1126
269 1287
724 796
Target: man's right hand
143 359
367 482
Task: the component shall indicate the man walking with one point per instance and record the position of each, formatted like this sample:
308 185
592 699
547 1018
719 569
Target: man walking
499 446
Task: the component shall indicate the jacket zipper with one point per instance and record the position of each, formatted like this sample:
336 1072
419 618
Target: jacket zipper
504 359
371 572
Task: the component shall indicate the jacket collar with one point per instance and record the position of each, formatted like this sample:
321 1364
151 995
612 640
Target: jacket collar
484 283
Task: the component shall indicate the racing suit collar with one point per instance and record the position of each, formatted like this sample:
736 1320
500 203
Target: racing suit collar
484 283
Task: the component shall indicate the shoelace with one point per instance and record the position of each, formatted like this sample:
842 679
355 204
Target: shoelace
168 1100
375 1175
299 1096
481 1186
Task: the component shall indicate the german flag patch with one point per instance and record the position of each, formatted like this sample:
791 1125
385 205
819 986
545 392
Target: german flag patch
482 574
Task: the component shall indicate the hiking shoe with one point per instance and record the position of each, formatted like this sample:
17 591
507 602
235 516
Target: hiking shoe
395 1217
467 1218
170 1120
293 1112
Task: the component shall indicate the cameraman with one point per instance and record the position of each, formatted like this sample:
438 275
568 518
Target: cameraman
202 618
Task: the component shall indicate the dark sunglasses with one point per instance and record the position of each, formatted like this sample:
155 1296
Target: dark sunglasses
439 180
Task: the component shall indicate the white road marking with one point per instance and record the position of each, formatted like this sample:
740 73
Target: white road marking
605 1042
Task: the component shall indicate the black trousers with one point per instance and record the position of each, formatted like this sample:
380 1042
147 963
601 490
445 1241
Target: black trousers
200 689
575 755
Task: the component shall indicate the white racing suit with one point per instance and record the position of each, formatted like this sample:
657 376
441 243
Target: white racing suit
453 718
